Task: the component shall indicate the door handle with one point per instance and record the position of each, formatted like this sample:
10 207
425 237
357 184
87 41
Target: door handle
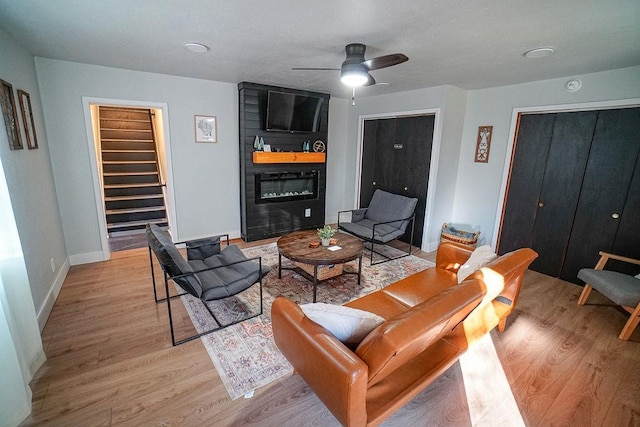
406 188
374 183
615 215
541 204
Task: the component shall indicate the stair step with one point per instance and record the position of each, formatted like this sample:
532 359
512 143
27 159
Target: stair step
123 150
128 173
140 185
136 223
102 128
125 140
124 120
125 198
134 210
127 162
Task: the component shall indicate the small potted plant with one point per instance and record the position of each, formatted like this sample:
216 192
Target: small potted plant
325 233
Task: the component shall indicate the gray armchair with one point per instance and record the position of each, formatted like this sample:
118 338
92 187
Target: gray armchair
622 289
209 273
387 218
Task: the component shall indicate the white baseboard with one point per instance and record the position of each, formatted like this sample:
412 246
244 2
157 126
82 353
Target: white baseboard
45 309
88 258
19 415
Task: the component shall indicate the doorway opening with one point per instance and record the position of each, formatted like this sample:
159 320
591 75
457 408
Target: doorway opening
131 169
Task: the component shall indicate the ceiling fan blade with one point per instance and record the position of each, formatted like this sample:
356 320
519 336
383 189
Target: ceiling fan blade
371 80
385 61
315 69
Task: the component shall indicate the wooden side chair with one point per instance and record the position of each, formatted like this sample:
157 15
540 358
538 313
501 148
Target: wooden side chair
620 288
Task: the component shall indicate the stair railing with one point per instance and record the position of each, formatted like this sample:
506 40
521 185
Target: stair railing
159 165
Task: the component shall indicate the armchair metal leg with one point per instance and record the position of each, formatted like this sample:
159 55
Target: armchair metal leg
221 326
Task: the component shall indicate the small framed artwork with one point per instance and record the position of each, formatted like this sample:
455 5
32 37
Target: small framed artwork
206 129
10 115
27 119
484 144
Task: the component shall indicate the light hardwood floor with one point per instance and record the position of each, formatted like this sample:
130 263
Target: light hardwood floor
110 362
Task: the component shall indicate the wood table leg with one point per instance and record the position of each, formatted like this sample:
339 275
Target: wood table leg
359 268
279 266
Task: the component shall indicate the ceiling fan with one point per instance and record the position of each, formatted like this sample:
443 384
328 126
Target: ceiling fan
355 69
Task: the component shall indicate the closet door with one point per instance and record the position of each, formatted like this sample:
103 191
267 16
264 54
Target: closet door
607 182
396 158
525 181
556 207
627 240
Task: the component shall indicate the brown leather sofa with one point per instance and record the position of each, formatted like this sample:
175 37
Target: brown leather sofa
430 320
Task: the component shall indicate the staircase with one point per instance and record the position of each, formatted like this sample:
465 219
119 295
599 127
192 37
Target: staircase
133 193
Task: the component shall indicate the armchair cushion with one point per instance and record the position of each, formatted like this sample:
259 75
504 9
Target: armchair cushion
619 288
364 229
358 214
227 280
385 206
203 248
171 261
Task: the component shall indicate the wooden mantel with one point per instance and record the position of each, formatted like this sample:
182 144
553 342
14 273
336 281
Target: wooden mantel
288 157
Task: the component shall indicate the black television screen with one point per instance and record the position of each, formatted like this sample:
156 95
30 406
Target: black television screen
288 112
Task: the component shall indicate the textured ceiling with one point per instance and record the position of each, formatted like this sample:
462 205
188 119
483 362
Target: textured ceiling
469 44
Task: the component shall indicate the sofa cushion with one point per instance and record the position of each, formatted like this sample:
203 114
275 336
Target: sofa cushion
408 334
480 257
349 325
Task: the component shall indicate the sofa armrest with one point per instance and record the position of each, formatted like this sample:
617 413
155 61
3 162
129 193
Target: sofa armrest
450 256
334 373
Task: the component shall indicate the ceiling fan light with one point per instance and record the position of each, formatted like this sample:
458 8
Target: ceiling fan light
354 78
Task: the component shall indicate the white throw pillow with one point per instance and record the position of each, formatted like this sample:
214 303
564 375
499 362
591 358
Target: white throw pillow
347 324
479 258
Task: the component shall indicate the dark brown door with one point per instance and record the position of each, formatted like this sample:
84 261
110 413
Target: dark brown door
573 189
396 158
607 180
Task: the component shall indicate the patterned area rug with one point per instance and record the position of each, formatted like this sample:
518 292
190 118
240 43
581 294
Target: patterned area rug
245 354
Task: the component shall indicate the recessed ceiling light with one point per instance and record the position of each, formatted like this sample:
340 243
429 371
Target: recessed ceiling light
539 52
196 47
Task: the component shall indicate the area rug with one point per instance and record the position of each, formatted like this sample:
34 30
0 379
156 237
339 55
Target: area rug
245 354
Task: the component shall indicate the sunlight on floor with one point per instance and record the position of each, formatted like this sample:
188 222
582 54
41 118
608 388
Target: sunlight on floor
489 396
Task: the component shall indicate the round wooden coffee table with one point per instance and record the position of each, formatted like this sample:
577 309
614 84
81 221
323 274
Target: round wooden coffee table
295 246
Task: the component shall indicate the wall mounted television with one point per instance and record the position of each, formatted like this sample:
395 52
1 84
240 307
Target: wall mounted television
289 112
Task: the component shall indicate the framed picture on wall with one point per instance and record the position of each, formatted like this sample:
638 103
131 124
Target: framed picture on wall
484 144
206 129
27 119
10 115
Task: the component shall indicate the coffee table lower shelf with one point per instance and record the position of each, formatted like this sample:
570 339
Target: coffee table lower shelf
323 272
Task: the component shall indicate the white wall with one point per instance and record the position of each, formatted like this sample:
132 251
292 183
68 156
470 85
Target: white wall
205 176
450 103
479 185
31 186
338 167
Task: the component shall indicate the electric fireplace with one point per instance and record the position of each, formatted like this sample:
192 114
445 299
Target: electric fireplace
273 187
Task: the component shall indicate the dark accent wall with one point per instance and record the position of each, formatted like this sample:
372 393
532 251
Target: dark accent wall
259 221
